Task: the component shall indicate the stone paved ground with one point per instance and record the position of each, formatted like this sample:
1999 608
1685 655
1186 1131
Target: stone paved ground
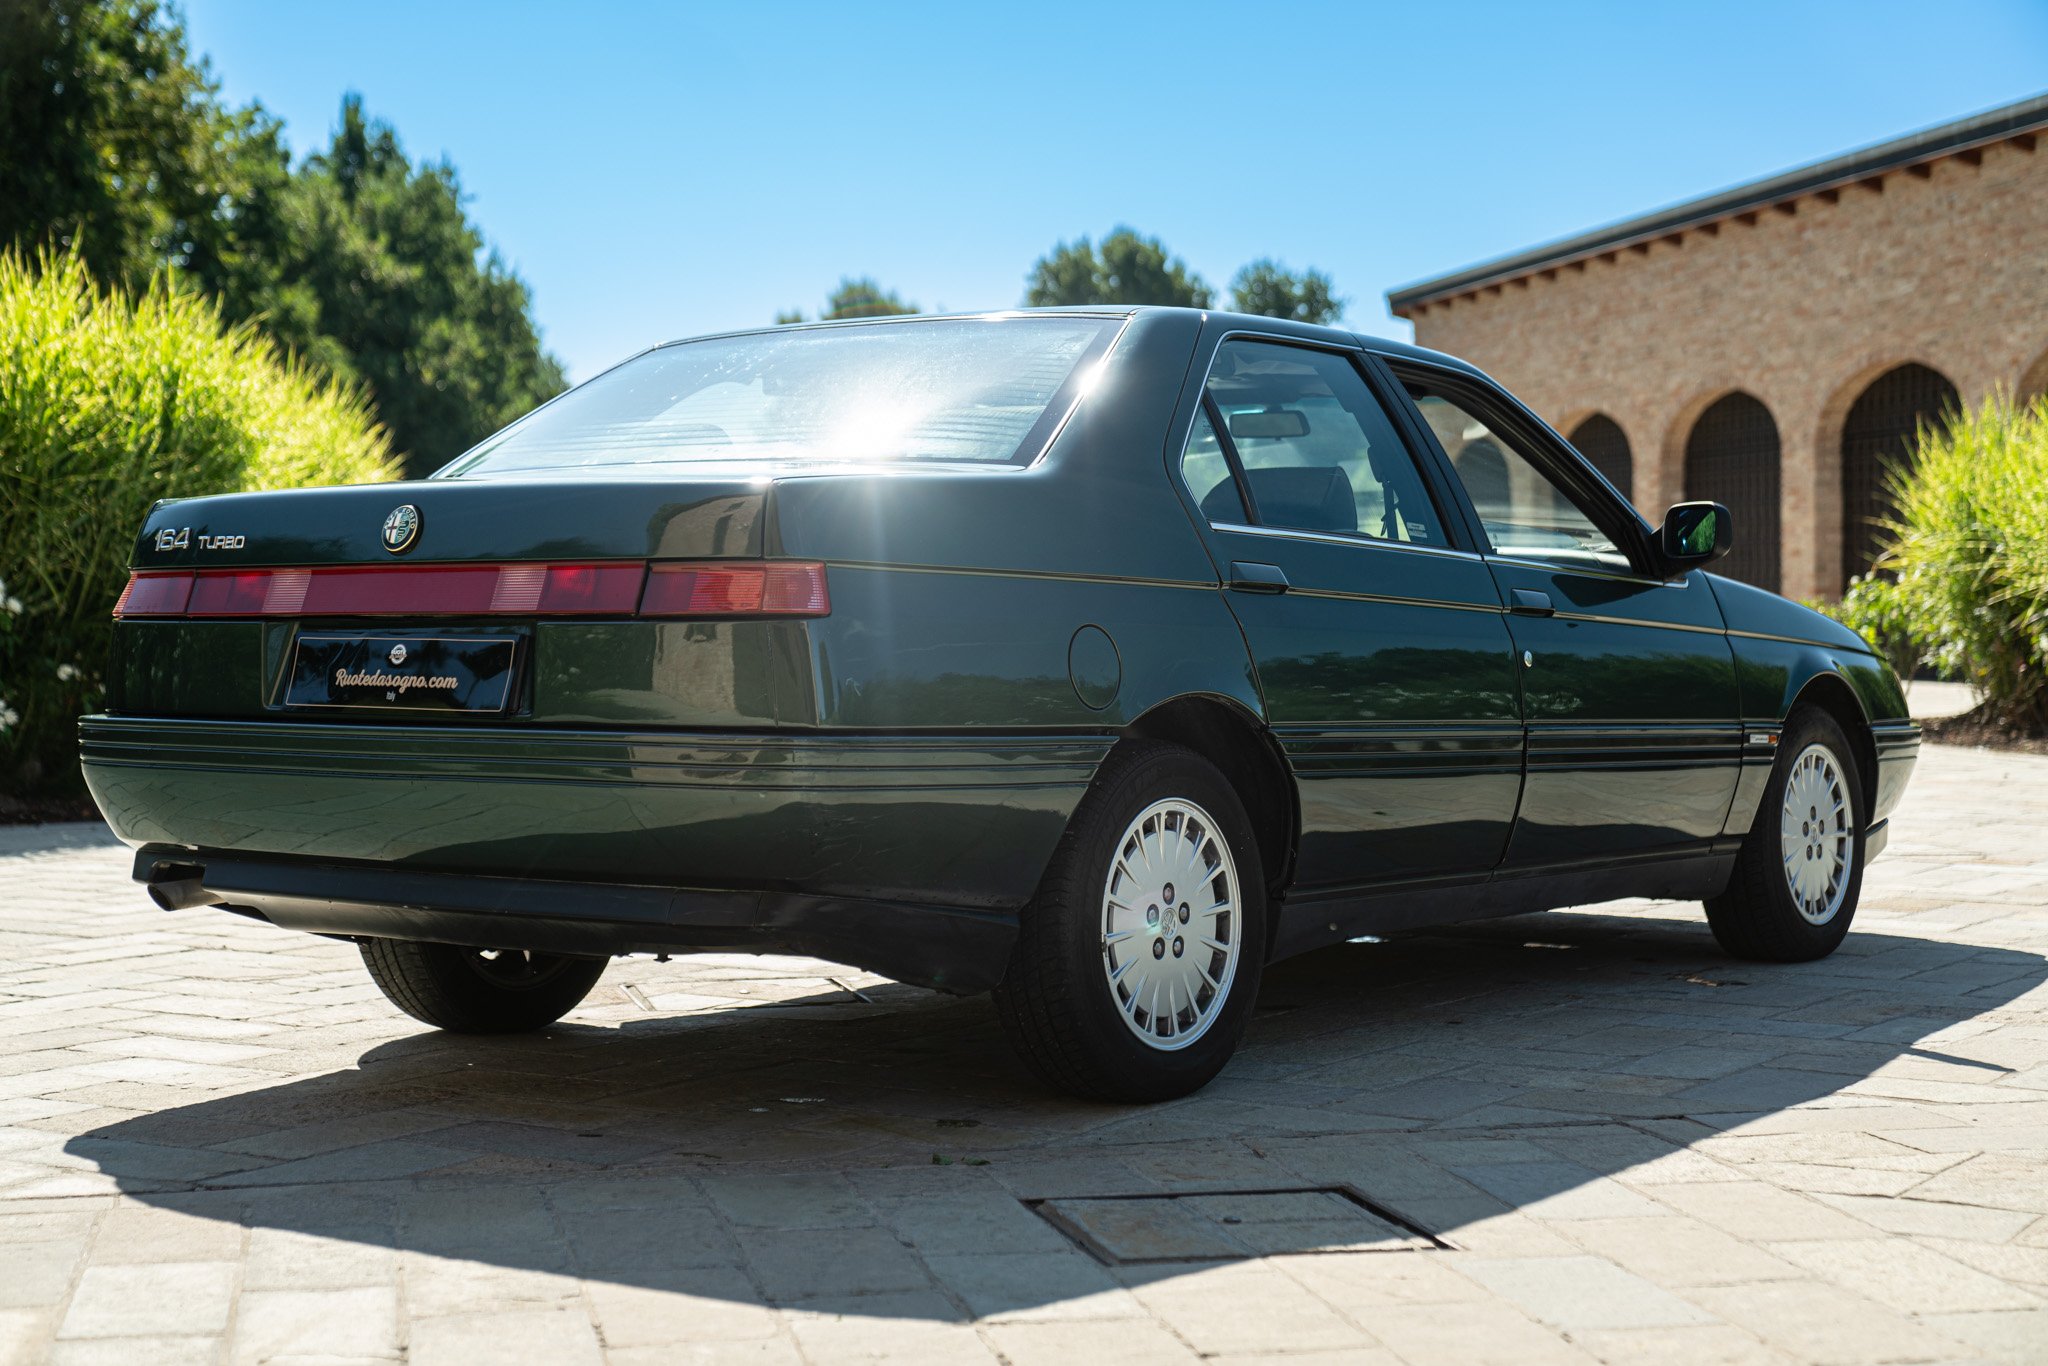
217 1143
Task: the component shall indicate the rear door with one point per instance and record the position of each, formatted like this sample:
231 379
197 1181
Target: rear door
1628 682
1385 666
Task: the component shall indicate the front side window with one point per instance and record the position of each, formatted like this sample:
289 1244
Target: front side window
1312 448
1523 512
979 390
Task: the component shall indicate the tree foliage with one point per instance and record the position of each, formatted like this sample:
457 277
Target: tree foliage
1267 288
863 298
1970 551
855 298
1126 269
375 272
115 141
116 144
108 402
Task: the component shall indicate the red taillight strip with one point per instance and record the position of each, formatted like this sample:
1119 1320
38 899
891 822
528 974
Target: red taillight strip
774 588
716 588
154 595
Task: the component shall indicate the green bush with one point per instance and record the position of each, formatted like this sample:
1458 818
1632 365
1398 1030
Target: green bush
108 403
1874 608
1969 550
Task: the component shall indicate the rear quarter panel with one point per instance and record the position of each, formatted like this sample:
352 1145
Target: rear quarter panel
957 597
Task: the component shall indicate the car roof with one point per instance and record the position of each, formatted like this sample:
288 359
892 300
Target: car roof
1250 322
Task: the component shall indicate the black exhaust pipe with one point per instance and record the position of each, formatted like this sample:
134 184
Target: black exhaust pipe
179 886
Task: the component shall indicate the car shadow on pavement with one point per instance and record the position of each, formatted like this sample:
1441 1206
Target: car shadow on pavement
887 1156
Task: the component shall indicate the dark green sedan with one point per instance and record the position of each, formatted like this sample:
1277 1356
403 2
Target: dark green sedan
1095 657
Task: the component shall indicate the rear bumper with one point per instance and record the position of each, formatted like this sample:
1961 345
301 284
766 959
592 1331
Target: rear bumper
817 842
954 950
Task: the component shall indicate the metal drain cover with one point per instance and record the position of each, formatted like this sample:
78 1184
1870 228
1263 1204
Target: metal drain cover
1215 1226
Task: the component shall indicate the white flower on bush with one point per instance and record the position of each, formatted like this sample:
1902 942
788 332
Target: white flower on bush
66 672
13 605
8 717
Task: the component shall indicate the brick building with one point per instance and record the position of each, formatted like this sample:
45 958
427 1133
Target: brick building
1774 345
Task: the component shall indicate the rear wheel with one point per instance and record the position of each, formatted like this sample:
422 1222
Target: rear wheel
479 991
1800 872
1136 964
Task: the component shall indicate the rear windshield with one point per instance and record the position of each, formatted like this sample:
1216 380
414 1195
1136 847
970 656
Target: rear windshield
987 390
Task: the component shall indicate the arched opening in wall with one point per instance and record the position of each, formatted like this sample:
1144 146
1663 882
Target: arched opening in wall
1879 436
2034 380
1731 457
1600 439
1484 472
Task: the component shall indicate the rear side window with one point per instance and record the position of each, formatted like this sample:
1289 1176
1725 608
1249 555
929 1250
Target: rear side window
1310 446
980 390
1208 473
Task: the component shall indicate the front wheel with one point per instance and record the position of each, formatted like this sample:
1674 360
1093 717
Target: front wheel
1800 872
1136 964
479 991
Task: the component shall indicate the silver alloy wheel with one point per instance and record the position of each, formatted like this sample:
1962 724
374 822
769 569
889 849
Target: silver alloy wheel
1172 932
1815 834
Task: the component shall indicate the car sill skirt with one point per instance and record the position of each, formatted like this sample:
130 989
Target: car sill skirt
953 950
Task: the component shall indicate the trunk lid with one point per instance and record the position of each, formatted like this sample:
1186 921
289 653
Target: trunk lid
461 520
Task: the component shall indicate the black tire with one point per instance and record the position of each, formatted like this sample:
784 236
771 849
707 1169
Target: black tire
479 991
1057 1003
1758 917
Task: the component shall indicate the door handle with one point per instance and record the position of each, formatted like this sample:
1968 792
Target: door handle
1249 576
1528 602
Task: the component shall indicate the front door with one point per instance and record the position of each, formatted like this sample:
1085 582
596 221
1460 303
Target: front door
1387 671
1628 682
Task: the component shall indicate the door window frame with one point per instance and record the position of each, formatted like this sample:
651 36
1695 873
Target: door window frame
1453 520
1552 456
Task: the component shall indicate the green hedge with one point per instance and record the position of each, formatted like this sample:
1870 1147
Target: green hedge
108 403
1963 579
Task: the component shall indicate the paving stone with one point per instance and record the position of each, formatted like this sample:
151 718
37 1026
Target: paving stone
532 1337
343 1258
356 1323
1033 1285
437 1286
139 1234
1477 1333
706 1304
758 1352
1761 1213
38 1275
1905 1275
791 1201
1558 1190
908 1327
171 1299
793 1265
2019 1335
1813 1322
157 1351
1136 1342
1244 1308
1678 1251
987 1221
1580 1293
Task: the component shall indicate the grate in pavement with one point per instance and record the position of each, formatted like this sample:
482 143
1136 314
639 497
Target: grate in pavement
1218 1226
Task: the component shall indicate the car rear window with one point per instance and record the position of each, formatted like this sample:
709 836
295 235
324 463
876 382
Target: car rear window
985 390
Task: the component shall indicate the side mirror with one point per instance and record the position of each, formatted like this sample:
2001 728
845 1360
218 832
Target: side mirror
1695 534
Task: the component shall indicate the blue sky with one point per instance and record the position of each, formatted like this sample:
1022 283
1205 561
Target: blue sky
659 170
